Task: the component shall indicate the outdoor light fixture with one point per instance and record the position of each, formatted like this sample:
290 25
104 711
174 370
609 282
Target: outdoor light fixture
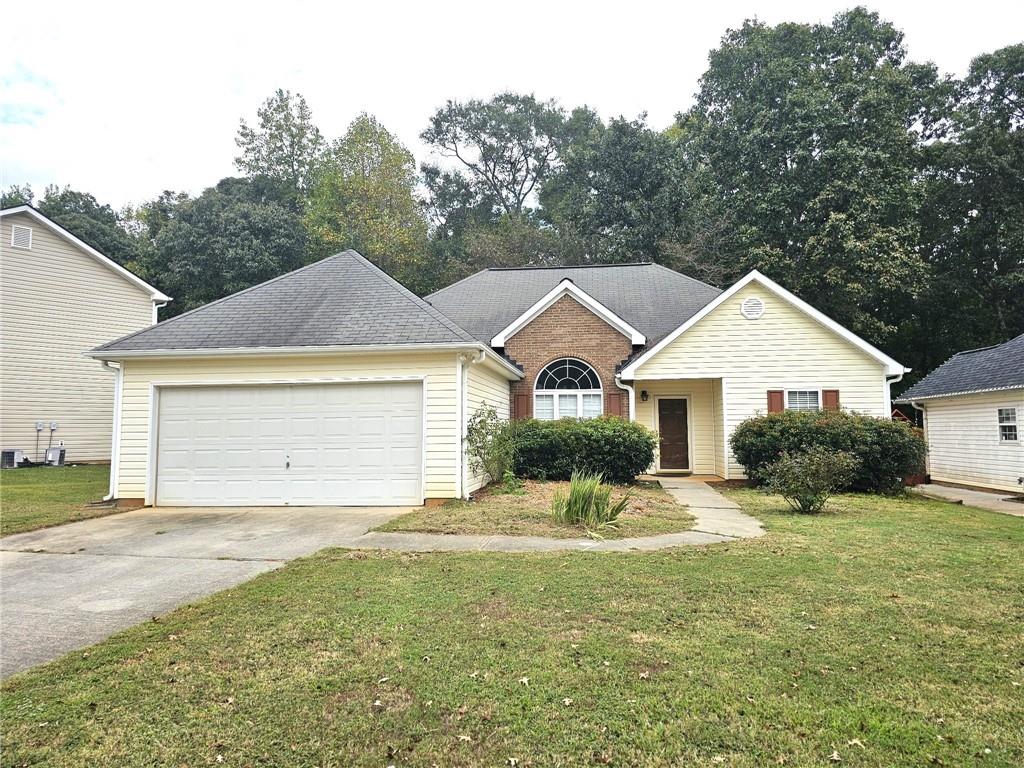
643 395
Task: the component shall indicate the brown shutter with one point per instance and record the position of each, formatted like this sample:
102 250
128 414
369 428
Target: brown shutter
830 399
521 407
776 401
614 405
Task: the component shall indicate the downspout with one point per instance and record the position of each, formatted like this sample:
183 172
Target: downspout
478 358
460 474
115 438
632 396
924 428
888 392
157 305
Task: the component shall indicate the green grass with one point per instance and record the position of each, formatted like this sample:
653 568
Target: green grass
38 497
651 511
888 632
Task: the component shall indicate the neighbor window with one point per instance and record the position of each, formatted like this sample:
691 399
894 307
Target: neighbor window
1007 425
567 388
803 400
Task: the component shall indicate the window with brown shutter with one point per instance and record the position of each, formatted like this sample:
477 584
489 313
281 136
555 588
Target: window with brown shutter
830 399
776 401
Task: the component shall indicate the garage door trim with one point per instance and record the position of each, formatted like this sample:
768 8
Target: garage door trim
154 413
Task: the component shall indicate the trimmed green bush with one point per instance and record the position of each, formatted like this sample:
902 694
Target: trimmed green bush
807 479
886 450
616 449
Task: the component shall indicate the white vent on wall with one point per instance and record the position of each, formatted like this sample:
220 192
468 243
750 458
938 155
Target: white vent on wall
21 237
752 308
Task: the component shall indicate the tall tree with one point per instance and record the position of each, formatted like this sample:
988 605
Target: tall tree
285 146
973 216
621 188
17 195
502 149
806 139
96 223
365 199
227 239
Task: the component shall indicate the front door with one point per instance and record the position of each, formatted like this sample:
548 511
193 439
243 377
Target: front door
674 442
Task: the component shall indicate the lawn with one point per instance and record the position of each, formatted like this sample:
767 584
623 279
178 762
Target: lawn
889 632
651 511
38 497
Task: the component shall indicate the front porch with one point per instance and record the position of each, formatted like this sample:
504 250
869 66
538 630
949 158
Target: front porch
686 414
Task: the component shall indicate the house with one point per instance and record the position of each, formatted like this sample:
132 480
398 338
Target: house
59 298
973 406
334 384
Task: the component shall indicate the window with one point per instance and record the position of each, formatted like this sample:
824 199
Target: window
567 388
803 400
1008 425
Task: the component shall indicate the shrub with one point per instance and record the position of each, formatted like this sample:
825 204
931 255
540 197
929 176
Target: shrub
588 503
489 445
807 479
616 449
886 450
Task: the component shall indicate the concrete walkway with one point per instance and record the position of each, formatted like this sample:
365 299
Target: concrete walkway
716 520
994 502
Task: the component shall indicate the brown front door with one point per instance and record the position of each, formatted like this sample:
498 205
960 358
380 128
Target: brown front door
674 440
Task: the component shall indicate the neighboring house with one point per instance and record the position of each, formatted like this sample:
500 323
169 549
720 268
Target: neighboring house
59 298
973 407
333 384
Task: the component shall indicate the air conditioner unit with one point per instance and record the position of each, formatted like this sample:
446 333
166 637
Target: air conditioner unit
11 458
54 457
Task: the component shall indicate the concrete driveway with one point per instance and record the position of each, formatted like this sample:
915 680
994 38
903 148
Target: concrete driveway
70 586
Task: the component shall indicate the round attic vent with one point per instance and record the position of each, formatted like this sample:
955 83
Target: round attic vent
752 308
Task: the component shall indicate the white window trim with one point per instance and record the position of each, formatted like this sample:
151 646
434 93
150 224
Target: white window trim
568 288
579 392
1000 424
785 397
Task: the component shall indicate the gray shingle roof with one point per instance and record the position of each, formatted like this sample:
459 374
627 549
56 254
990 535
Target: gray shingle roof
341 300
653 299
976 370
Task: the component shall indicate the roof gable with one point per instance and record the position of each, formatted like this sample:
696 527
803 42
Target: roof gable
568 288
650 298
892 368
342 300
975 370
57 229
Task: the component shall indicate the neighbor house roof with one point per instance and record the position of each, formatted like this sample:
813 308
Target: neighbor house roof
341 301
652 299
975 370
155 294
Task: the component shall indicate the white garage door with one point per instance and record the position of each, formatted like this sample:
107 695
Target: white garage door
331 444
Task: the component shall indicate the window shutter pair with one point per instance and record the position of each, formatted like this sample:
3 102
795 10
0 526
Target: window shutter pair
777 400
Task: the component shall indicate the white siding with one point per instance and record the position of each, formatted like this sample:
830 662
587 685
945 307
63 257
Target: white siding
57 302
963 440
441 405
784 349
484 387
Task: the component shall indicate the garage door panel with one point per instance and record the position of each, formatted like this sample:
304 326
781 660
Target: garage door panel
346 444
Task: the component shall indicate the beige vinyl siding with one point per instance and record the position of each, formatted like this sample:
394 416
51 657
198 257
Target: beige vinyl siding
440 404
784 349
57 302
700 416
484 387
963 440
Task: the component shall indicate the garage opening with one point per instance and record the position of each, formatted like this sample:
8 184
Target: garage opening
337 444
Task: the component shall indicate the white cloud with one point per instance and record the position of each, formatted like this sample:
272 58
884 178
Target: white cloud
126 99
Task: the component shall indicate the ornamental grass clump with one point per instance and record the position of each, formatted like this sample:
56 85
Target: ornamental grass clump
588 503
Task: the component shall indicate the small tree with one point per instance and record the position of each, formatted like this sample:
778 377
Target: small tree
808 478
489 443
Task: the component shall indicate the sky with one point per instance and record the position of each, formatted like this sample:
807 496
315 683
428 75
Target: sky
124 100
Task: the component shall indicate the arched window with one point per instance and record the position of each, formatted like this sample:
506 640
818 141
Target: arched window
567 388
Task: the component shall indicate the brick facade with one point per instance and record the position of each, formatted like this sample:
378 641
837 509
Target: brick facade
568 329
